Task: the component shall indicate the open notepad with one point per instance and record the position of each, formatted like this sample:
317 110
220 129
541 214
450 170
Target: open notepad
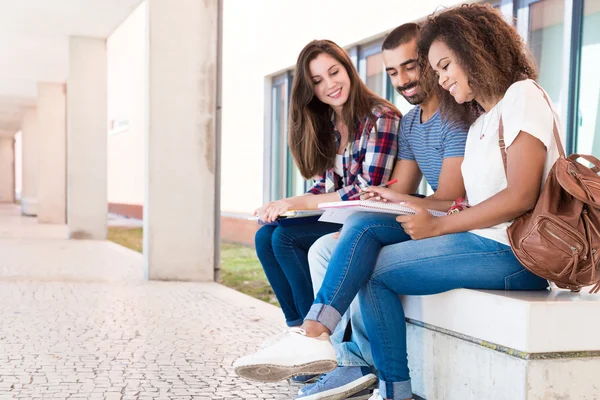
338 211
294 217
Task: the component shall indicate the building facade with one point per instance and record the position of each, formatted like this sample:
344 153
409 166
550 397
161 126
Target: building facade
261 41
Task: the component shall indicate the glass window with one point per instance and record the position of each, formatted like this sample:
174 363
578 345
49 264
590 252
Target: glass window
278 137
284 178
370 68
375 73
295 183
545 38
506 8
588 104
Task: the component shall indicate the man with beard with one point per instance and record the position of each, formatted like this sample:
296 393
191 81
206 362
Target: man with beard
427 145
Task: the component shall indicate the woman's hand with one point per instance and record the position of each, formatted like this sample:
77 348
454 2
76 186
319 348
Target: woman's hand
421 225
270 211
379 193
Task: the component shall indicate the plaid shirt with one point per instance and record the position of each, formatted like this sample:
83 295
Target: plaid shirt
370 158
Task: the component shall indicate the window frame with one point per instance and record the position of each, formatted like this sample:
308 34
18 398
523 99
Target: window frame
572 41
365 51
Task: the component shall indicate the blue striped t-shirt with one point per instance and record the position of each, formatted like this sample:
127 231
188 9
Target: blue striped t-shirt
429 143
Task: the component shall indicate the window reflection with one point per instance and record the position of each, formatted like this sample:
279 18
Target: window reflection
588 105
546 32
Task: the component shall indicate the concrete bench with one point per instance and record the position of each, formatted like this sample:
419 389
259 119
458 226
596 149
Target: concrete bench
497 345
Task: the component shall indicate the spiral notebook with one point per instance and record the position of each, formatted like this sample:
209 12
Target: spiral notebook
338 211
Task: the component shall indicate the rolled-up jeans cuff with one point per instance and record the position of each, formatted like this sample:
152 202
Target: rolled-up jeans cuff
326 315
395 390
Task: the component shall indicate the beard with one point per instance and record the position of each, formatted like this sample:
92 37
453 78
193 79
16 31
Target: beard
417 98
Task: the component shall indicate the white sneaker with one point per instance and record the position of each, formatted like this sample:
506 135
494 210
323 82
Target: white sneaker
294 354
376 395
270 341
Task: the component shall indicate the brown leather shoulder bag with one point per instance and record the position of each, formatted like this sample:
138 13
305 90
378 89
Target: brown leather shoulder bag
559 239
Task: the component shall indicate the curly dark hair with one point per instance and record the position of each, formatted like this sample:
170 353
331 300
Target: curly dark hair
488 49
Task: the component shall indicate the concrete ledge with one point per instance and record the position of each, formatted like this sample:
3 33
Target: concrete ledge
470 344
444 367
530 322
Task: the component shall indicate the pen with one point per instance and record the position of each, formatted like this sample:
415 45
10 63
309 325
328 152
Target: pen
382 185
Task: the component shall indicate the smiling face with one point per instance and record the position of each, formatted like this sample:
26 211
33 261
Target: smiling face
402 66
330 79
450 74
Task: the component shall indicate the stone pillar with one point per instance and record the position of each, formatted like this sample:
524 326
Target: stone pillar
30 143
7 169
51 109
86 139
179 207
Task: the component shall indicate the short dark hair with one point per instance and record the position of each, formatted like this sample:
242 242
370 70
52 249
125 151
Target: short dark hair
400 35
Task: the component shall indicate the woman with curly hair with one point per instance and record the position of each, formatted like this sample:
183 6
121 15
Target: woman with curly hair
486 76
486 73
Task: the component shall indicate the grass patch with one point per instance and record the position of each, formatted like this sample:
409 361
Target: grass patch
240 268
131 238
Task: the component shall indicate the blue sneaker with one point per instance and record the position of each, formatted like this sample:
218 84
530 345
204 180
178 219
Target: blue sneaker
304 379
338 384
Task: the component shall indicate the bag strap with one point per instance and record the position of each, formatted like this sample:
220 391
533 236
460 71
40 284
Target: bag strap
501 143
589 158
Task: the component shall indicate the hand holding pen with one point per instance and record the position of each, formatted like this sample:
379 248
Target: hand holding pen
366 190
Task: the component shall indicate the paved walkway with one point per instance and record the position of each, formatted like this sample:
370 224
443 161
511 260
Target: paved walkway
79 321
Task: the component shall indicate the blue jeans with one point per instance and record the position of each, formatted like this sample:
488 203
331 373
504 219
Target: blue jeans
355 352
423 267
351 264
283 253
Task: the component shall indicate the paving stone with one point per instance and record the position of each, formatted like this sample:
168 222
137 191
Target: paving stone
80 321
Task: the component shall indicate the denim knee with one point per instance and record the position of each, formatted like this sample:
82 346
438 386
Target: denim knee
359 220
263 242
263 236
281 238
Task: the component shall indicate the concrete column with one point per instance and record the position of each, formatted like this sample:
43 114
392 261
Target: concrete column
30 143
7 169
51 109
179 207
86 139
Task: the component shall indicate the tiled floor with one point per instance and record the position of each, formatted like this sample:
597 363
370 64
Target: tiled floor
79 321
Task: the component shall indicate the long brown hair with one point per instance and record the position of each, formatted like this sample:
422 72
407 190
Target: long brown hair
488 49
311 141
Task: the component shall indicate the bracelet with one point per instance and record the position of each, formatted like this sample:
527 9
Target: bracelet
458 205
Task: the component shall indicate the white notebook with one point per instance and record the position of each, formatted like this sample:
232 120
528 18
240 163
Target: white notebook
338 211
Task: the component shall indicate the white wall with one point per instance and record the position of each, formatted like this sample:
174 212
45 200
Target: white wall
18 165
7 171
263 37
260 39
127 77
52 164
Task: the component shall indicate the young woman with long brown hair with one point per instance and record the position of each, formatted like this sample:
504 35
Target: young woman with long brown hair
343 136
